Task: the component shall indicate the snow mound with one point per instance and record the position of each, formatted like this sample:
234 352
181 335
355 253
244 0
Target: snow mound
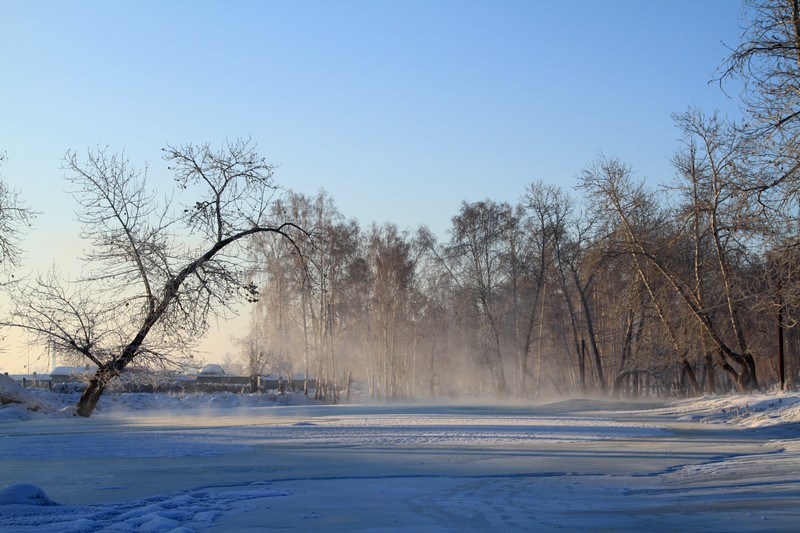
24 494
745 410
13 394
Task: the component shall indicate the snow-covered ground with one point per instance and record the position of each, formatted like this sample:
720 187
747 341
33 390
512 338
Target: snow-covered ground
224 462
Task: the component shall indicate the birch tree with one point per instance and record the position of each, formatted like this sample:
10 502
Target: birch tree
391 273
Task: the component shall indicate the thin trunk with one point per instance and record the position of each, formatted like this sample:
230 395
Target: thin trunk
540 349
781 342
580 346
796 26
497 362
529 336
710 382
305 337
590 329
432 369
582 364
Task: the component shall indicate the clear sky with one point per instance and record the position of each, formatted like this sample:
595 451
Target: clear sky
400 109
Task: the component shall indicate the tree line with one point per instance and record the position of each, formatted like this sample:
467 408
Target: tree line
635 287
681 287
678 289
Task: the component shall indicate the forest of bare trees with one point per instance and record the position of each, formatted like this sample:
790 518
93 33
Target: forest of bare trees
650 290
679 285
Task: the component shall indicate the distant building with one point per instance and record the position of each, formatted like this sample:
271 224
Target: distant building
71 374
212 370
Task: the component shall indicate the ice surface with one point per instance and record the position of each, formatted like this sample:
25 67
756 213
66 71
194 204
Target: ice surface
249 463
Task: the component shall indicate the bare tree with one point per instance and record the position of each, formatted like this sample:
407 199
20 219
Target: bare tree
275 341
157 271
476 257
540 216
649 250
711 164
436 315
391 272
313 298
15 218
579 257
767 61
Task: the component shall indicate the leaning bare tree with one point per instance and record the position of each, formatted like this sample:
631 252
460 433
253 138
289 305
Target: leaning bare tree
157 271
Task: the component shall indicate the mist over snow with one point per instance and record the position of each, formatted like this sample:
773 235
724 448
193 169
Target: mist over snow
228 462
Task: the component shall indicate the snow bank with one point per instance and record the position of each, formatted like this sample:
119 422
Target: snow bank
18 403
24 494
743 410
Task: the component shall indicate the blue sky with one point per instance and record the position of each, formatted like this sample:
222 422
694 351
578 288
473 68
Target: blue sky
400 109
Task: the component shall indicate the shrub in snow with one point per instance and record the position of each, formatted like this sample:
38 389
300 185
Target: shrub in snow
24 494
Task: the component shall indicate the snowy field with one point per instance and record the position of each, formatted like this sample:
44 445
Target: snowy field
254 463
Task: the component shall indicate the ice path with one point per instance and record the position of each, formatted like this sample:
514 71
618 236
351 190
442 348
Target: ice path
340 431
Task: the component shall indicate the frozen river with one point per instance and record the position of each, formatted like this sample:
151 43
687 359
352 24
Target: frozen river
560 466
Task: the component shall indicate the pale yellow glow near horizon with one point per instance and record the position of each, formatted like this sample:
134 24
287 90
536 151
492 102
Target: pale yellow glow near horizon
19 357
46 248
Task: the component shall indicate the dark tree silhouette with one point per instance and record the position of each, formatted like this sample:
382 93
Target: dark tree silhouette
157 271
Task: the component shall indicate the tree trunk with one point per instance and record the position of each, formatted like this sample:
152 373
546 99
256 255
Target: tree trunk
592 337
496 355
432 369
748 380
781 342
90 397
582 365
792 342
523 363
688 372
710 386
580 347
